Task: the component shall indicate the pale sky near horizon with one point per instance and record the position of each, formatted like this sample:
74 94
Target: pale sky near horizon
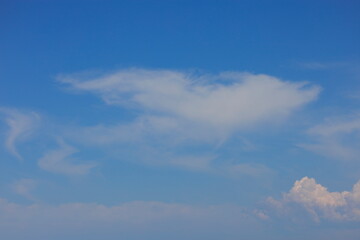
179 119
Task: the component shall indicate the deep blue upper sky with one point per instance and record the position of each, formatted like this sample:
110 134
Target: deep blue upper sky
42 38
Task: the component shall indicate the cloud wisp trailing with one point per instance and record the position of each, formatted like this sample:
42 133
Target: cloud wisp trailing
59 161
21 124
339 139
24 187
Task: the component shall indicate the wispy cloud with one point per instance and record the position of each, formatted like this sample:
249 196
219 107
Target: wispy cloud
336 138
59 161
21 124
24 187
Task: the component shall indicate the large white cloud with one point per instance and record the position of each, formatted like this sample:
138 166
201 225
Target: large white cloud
225 102
186 109
321 203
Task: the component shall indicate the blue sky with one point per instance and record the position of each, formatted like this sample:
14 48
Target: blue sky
179 119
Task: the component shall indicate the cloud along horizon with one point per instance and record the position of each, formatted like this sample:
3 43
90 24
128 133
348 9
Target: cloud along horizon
149 217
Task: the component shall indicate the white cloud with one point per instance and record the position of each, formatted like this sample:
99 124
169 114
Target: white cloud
224 102
21 124
58 161
181 109
338 138
321 203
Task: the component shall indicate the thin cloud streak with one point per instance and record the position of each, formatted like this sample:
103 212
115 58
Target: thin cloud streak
24 187
21 125
59 161
337 138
